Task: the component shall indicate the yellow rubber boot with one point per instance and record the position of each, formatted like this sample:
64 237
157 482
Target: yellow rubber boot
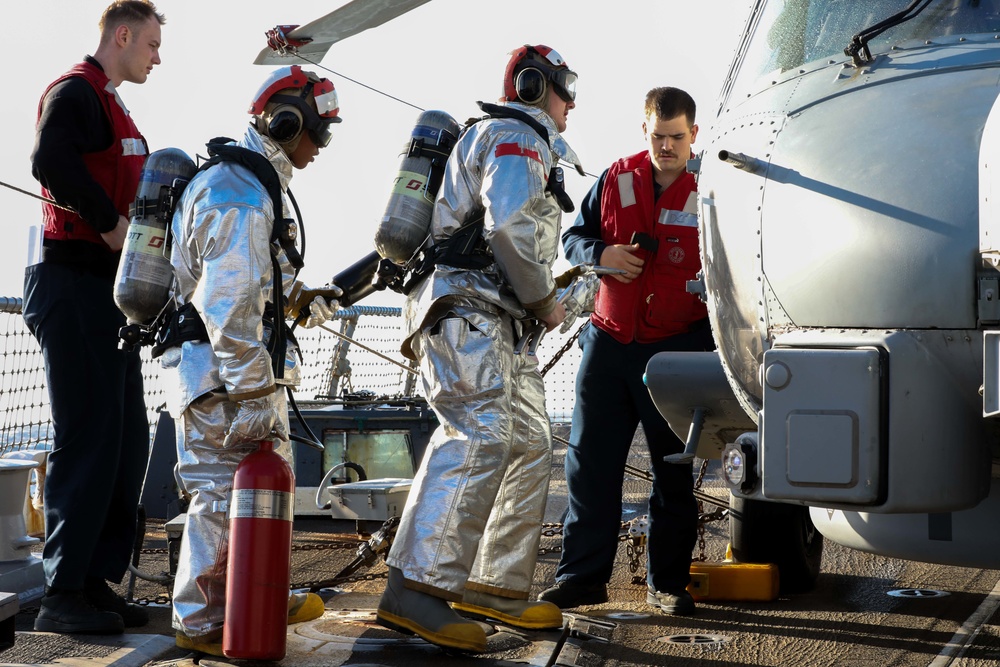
527 614
304 607
203 644
301 607
430 618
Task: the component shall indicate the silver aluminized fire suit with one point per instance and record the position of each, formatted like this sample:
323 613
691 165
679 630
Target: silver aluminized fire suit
474 513
222 265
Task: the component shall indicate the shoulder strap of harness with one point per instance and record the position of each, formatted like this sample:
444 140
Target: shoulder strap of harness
556 183
283 232
498 111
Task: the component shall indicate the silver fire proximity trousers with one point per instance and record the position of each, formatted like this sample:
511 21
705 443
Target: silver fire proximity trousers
474 513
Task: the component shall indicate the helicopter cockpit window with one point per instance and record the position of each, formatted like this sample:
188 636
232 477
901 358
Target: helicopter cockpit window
791 33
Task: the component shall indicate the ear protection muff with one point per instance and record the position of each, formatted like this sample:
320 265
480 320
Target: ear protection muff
530 85
284 123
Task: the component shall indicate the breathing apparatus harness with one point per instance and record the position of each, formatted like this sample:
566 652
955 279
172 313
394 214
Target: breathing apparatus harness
466 248
176 326
184 323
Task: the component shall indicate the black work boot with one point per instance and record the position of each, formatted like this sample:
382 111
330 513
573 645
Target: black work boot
430 618
69 612
675 602
102 597
566 594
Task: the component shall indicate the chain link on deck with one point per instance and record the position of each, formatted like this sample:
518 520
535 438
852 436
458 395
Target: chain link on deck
564 349
701 558
633 532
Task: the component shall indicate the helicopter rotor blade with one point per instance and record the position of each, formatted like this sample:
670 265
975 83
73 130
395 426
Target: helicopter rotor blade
315 38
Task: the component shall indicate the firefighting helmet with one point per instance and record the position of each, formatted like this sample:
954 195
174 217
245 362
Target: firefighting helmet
284 117
529 71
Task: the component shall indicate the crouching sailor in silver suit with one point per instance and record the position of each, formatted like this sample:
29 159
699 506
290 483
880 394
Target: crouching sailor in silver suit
229 272
470 530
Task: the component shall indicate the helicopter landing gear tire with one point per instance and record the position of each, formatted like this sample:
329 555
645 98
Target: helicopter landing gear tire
779 533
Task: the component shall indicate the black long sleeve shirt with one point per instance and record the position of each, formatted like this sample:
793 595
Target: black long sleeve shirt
73 122
581 241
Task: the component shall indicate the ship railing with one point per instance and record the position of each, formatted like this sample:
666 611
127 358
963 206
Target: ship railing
332 368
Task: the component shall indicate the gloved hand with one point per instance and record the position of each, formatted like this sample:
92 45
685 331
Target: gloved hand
321 310
312 306
256 419
564 279
578 297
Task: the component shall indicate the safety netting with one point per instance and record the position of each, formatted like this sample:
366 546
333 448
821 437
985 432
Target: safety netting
355 355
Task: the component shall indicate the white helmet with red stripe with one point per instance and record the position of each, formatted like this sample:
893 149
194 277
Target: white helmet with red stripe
292 101
531 69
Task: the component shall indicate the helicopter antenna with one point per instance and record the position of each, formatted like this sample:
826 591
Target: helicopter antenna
858 48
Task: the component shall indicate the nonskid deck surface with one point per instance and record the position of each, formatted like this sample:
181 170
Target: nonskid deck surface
347 632
849 619
615 633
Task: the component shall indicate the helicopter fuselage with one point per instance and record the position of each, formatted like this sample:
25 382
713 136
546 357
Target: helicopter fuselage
845 277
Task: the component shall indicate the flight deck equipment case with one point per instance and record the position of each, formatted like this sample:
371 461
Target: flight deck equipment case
370 500
387 442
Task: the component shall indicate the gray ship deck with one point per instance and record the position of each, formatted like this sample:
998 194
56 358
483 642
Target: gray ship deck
847 620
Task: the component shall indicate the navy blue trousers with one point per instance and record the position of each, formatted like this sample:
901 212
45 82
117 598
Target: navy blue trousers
101 433
611 401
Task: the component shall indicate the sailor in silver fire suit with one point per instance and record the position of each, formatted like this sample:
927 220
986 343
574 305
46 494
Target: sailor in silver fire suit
230 397
470 530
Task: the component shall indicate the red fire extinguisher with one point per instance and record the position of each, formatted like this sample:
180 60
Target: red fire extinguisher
260 550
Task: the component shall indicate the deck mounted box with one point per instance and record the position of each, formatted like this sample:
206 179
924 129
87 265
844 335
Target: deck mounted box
386 442
370 500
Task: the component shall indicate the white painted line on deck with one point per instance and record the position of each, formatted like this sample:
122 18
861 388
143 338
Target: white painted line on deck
960 640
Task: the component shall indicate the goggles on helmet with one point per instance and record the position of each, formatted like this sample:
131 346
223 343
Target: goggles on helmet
565 81
558 71
317 125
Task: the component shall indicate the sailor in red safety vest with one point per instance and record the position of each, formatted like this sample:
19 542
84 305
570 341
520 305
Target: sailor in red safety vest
88 156
640 217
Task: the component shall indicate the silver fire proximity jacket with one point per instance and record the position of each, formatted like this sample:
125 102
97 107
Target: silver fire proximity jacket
222 265
499 167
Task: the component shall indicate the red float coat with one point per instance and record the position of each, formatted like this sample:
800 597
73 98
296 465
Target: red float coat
655 305
116 169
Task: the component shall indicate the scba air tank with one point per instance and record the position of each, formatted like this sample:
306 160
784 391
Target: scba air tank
142 285
407 218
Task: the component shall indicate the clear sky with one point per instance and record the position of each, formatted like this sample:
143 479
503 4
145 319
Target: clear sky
443 55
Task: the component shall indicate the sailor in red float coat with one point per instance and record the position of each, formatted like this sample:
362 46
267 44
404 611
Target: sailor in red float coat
656 304
639 217
88 156
116 169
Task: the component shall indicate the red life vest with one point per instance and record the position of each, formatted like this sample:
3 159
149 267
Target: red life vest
655 305
116 169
